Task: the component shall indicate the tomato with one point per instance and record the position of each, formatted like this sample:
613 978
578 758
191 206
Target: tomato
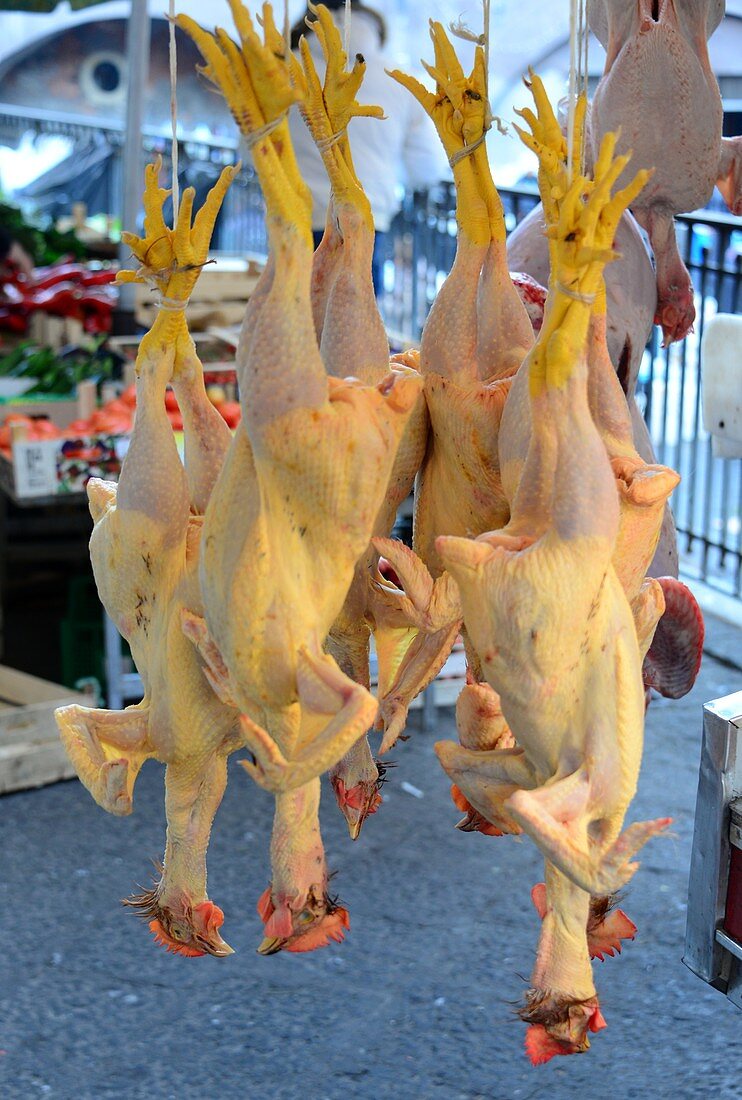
129 396
176 421
231 412
44 429
119 407
171 401
79 426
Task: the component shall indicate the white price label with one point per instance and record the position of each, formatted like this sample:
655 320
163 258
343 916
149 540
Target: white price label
35 466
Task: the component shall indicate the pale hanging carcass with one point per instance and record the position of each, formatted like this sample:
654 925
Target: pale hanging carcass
293 510
145 550
659 91
555 633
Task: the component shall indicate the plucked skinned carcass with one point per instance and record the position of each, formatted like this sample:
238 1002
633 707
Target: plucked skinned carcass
555 633
658 82
293 510
474 341
145 551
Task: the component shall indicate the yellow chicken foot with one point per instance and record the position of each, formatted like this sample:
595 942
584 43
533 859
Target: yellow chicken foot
297 912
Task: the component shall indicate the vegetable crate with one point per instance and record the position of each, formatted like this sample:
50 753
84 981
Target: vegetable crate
31 754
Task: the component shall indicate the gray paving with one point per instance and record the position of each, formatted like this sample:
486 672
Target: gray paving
417 1003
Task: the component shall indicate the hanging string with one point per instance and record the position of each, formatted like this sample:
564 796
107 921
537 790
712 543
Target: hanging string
579 37
287 32
459 29
255 136
346 30
174 111
486 36
572 94
585 66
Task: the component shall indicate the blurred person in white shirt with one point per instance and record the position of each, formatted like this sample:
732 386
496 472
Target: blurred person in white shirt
401 152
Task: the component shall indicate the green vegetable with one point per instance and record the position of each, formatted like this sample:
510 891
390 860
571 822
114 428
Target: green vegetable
57 373
43 245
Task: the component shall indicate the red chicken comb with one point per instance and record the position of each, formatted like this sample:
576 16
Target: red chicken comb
330 928
674 657
210 916
541 1047
356 797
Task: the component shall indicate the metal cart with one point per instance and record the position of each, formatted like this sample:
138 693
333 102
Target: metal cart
713 940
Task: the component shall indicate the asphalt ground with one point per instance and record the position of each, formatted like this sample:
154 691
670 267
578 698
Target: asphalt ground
419 1002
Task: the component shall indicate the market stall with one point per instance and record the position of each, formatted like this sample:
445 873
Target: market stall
244 491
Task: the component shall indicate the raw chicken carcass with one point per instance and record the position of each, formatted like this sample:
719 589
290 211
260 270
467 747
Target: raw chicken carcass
659 90
642 489
353 343
473 342
620 325
144 550
555 634
293 510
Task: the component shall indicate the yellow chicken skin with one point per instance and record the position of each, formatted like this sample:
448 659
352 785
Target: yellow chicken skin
353 342
474 340
144 550
295 504
555 634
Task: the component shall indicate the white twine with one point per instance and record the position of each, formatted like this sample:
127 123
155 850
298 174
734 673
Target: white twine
579 36
325 144
252 139
459 29
174 111
172 305
286 31
575 295
467 150
346 30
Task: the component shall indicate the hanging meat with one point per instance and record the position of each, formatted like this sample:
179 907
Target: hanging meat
555 633
145 551
353 343
657 61
642 489
619 333
474 340
293 510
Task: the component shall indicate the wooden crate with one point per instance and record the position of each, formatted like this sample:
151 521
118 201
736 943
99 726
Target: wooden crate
31 754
